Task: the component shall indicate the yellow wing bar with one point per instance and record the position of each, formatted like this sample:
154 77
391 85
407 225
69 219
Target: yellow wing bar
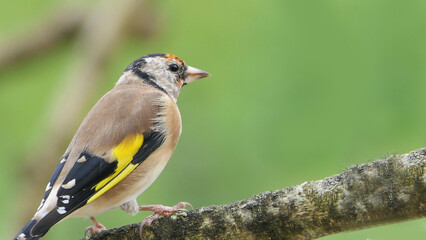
123 153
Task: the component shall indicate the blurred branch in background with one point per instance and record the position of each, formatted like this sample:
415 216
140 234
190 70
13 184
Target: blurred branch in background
66 21
59 25
366 195
98 29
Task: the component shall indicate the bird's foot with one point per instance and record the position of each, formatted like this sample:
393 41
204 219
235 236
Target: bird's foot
96 228
159 210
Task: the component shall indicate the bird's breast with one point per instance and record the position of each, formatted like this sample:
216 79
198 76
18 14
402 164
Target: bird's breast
168 121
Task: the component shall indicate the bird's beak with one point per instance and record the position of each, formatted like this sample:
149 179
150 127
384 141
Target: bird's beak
194 74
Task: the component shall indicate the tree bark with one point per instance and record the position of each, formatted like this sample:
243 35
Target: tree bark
379 192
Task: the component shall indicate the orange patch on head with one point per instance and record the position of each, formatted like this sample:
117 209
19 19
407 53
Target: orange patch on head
180 82
169 57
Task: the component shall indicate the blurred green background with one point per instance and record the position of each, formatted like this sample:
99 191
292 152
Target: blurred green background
300 91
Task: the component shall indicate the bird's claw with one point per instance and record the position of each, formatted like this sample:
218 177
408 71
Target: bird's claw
96 228
159 210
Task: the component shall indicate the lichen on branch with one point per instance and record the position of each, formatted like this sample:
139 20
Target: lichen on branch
379 192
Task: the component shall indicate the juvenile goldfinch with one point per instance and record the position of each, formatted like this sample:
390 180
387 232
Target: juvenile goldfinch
120 148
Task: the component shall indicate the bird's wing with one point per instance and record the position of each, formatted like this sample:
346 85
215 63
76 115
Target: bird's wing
117 135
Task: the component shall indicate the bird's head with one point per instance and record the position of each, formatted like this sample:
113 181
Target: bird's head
163 71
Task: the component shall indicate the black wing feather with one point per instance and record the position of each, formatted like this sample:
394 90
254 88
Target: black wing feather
87 174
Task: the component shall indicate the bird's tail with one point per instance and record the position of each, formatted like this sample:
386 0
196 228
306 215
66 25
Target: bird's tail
25 233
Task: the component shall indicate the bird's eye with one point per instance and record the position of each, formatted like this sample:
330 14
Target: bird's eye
173 67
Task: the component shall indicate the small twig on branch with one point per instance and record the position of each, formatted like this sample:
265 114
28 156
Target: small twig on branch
366 195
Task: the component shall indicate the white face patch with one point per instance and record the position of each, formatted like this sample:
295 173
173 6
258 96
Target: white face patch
159 68
69 185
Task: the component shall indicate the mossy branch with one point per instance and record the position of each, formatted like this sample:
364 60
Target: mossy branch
383 191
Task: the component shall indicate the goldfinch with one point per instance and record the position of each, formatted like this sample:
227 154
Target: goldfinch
120 148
